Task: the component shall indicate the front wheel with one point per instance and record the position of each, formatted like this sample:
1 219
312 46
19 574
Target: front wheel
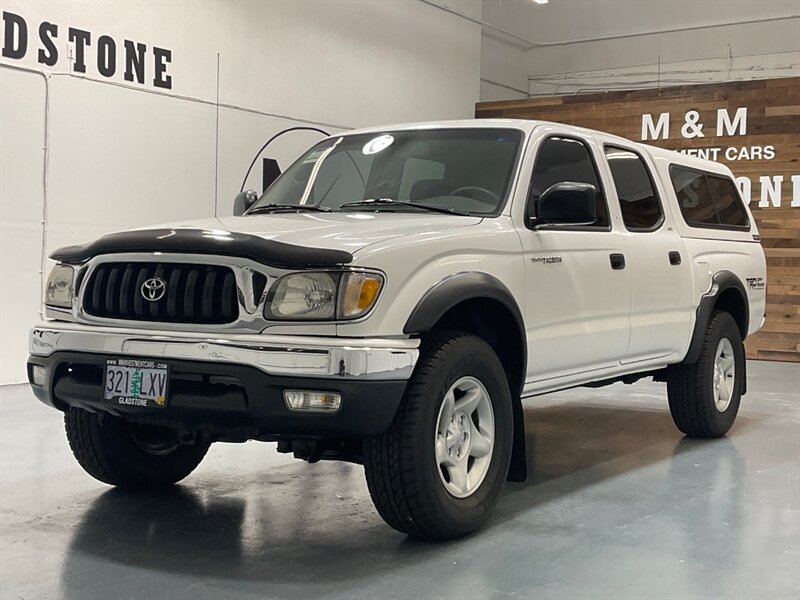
704 396
130 456
438 471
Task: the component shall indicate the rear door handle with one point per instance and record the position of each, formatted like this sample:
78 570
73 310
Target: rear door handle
617 261
674 257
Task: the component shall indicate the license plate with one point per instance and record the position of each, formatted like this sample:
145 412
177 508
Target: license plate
134 382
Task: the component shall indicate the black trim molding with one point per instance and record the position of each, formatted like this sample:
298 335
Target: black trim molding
452 291
721 281
202 241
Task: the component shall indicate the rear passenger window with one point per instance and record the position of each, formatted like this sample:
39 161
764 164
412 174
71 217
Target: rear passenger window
730 207
638 201
708 200
565 159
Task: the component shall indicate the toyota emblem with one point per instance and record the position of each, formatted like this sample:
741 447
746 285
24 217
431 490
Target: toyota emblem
154 289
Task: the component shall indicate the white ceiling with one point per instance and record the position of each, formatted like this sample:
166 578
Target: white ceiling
572 20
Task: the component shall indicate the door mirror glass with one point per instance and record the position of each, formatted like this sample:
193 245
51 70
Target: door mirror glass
567 203
243 201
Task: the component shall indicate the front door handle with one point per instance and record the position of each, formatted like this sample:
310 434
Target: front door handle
617 261
674 257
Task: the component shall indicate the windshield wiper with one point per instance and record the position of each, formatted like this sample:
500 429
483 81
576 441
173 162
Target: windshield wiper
268 208
378 202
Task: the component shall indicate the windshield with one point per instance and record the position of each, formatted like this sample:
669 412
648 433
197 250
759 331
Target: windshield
463 170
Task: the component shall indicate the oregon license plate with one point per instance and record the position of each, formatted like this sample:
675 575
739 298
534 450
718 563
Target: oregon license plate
136 382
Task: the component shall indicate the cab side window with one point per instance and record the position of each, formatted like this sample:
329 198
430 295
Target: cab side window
708 200
730 207
638 201
565 159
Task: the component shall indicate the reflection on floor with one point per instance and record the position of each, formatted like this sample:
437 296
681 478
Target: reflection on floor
618 504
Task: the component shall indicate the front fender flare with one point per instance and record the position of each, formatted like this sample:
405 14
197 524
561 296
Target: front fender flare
455 289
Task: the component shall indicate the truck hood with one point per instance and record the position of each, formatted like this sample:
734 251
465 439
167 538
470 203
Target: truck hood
348 231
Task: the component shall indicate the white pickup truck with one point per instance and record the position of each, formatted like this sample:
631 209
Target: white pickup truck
390 300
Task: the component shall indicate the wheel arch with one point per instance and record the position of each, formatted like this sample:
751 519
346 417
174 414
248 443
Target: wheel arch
727 293
481 304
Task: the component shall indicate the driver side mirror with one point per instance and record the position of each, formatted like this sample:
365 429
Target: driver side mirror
243 201
566 203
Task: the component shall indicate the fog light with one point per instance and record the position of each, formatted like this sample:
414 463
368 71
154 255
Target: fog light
37 374
312 401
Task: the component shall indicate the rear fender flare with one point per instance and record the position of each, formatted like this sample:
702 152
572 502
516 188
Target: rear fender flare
720 282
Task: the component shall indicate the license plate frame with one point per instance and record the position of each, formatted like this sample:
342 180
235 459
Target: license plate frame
142 383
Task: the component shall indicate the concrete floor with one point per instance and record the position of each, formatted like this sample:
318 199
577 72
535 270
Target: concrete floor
618 505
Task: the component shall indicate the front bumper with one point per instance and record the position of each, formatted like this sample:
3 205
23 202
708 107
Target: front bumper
233 384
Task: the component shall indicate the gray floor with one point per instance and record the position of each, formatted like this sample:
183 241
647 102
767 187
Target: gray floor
618 505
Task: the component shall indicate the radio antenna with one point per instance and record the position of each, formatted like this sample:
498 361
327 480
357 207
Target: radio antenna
216 145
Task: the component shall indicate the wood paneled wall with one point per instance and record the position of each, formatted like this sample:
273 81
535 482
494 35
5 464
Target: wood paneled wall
772 124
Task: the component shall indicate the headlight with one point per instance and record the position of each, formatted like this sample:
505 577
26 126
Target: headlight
303 296
322 296
59 290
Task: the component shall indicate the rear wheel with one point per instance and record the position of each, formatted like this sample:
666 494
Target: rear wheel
128 455
704 396
438 471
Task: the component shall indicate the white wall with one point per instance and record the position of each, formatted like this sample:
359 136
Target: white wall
21 185
504 74
122 154
736 52
555 61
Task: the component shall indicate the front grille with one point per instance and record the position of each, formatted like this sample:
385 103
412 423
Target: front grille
204 294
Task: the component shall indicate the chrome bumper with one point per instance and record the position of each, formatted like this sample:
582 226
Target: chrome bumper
348 358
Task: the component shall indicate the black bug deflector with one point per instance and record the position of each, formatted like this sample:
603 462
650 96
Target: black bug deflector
203 241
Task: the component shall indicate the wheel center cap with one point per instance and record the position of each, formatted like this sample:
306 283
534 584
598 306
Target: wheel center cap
458 436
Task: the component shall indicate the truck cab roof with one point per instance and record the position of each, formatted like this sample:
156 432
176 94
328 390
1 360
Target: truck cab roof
528 126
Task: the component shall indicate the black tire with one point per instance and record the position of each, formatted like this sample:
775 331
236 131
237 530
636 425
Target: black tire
129 456
690 387
401 469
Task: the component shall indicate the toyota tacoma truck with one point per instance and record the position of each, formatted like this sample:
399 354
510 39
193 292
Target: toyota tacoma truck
392 298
